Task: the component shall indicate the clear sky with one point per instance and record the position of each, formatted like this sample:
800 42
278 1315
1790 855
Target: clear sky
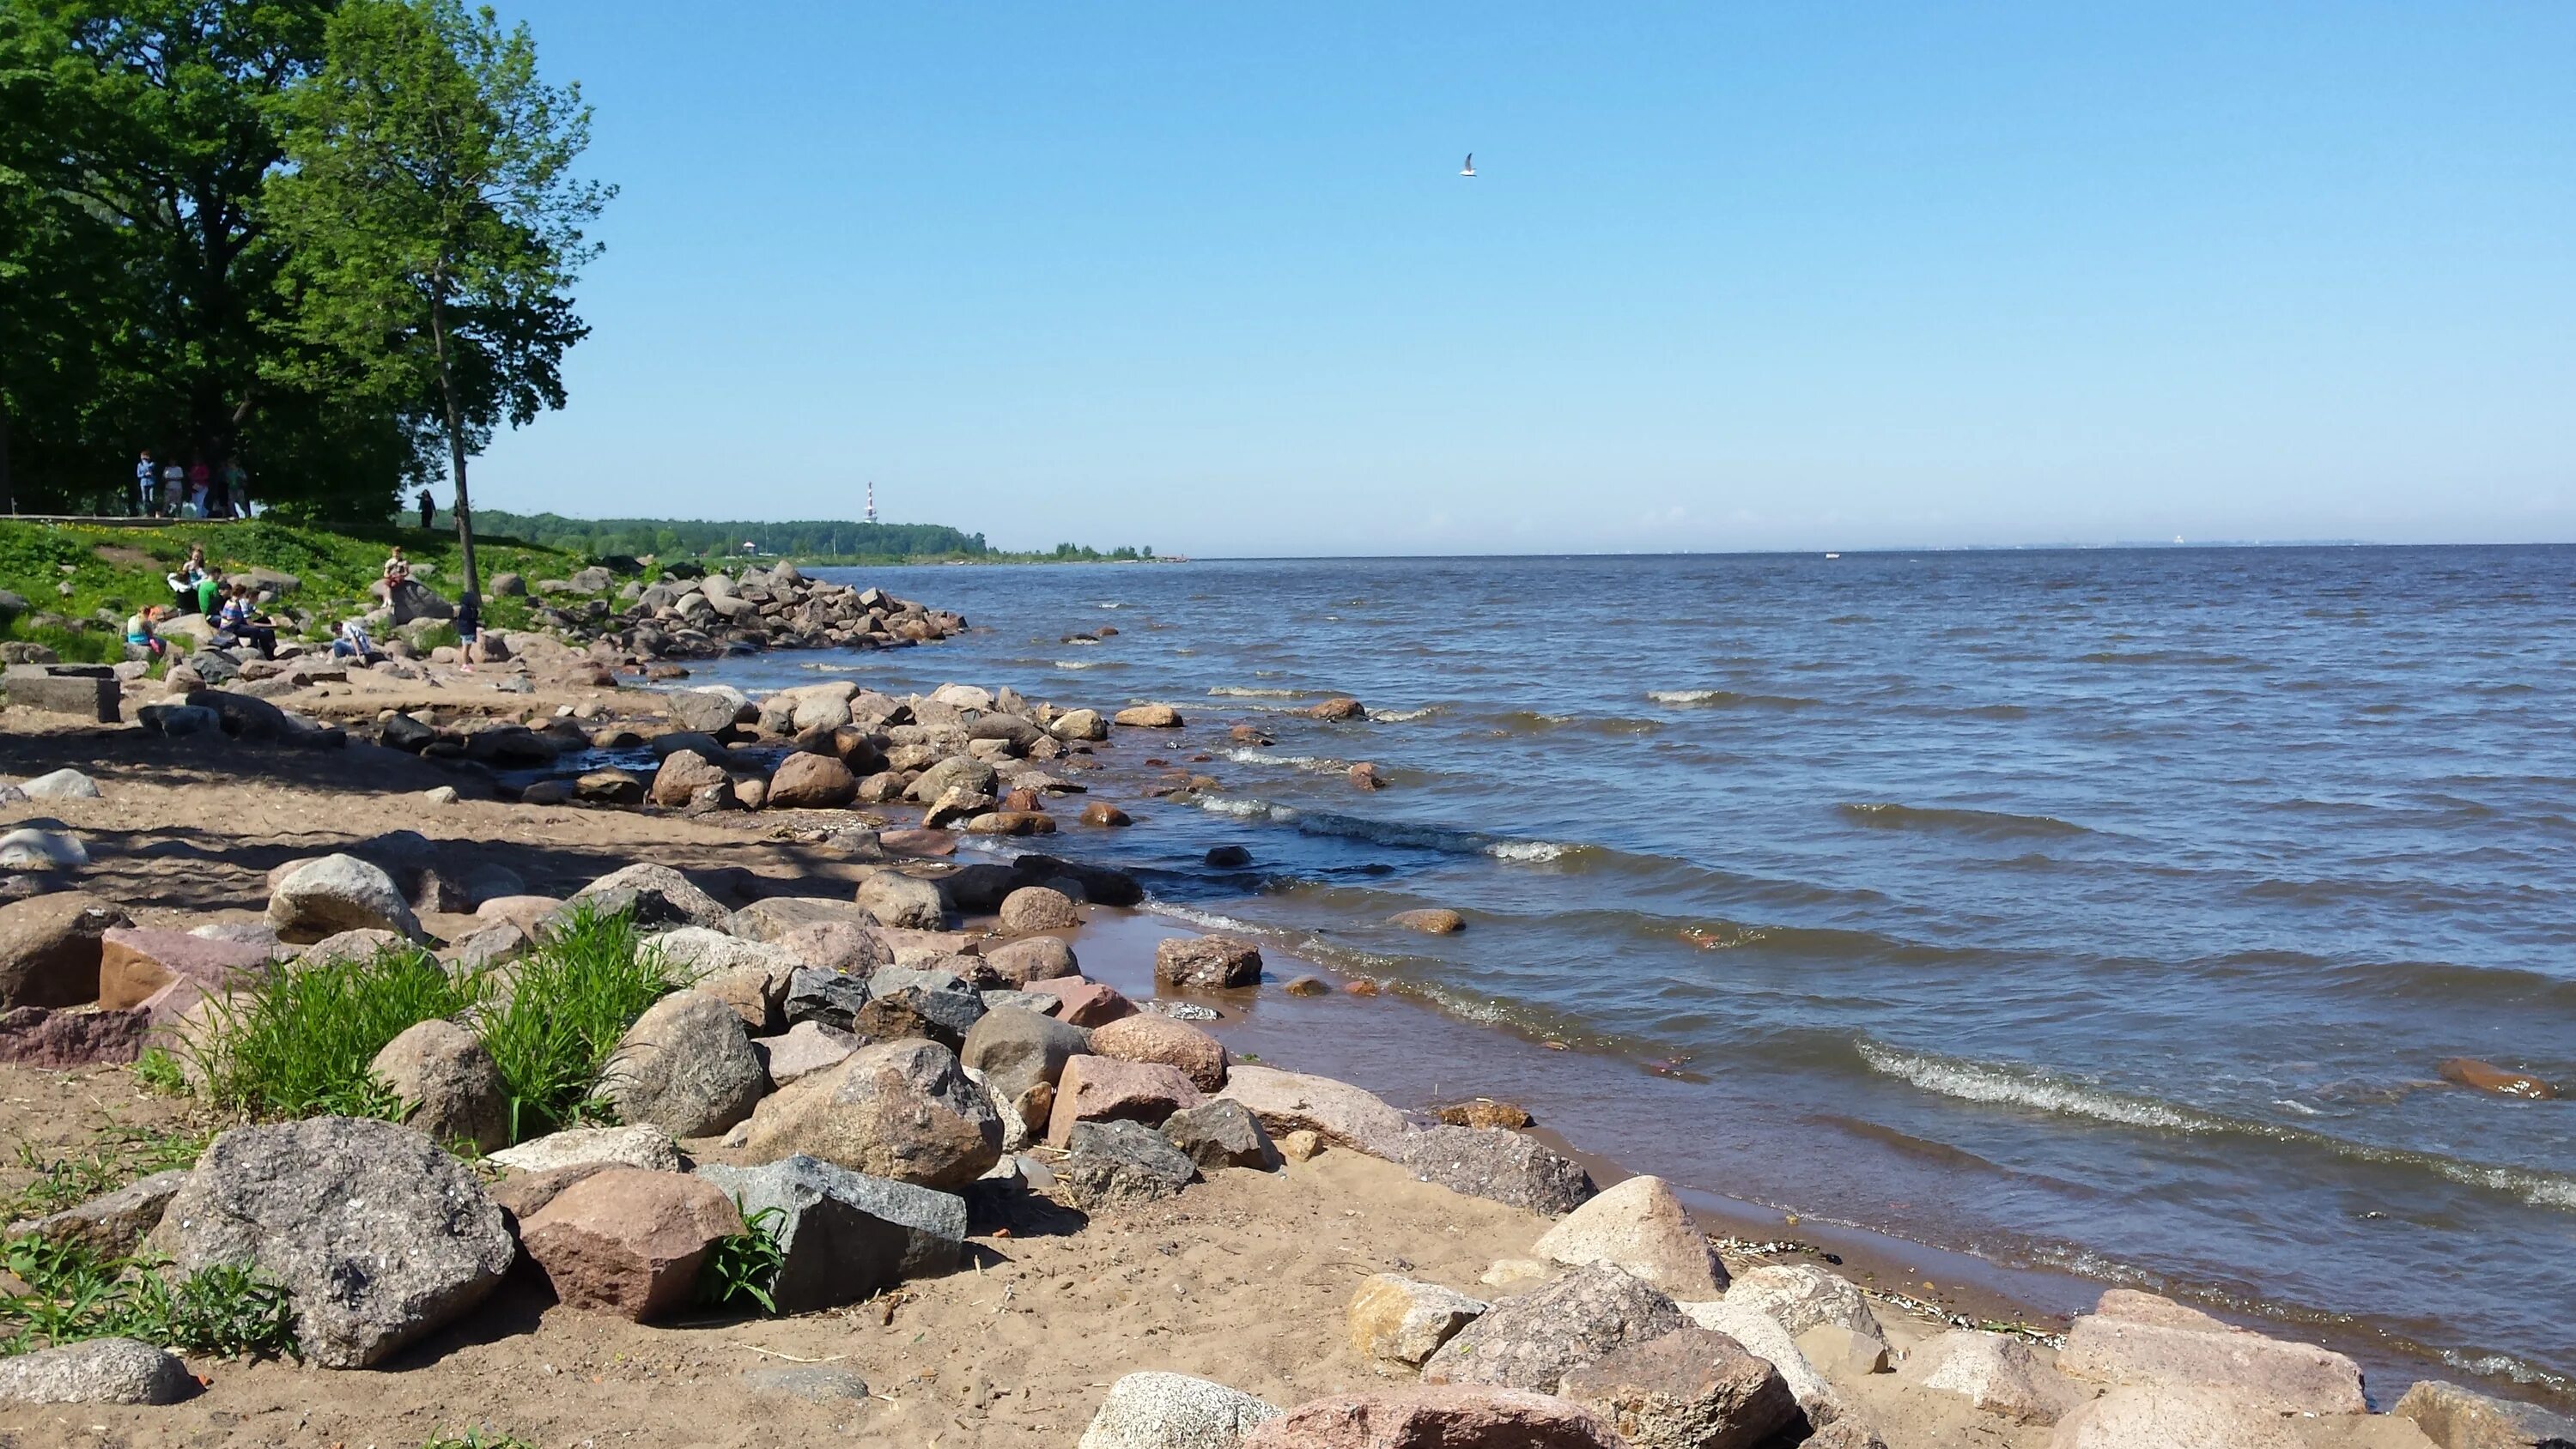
1730 276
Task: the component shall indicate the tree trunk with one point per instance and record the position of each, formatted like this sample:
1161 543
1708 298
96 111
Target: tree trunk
455 448
8 489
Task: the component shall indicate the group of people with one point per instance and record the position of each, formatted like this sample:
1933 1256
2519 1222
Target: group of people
469 617
198 490
233 608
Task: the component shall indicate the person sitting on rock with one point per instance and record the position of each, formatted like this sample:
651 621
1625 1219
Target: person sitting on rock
243 622
142 632
350 641
397 571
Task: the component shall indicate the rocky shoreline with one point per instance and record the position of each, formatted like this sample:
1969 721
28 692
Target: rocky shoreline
948 1120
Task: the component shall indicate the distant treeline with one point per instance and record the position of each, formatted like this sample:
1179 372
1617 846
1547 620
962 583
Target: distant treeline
694 538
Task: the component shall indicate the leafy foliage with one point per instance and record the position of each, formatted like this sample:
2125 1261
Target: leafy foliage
476 1439
301 1041
74 1293
571 1000
742 1268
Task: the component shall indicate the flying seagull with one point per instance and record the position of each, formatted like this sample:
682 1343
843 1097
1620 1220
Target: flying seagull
1470 168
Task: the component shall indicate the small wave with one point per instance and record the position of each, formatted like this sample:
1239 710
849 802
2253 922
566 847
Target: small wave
1891 816
1994 1084
1204 920
1532 722
1729 699
1113 606
1394 832
1314 763
1401 716
2162 656
1241 691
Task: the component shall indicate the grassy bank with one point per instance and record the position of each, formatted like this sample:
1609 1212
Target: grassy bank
81 581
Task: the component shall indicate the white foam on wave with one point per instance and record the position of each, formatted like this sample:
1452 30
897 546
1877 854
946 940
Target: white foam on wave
1076 663
1113 606
1292 762
1204 920
1685 696
1401 716
1245 691
2014 1087
1245 808
1530 851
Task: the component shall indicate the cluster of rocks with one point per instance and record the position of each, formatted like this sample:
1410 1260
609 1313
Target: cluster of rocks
987 761
1625 1332
721 613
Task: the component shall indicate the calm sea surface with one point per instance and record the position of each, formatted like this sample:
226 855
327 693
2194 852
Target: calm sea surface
2108 910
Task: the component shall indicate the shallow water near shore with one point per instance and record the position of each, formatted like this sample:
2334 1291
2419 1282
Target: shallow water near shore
2107 910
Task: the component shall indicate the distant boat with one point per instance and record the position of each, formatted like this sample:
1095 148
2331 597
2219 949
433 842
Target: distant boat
1470 168
1833 555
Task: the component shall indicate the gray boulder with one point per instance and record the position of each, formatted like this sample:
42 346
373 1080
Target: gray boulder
1018 1049
1173 1411
379 1236
1532 1341
1689 1388
2458 1418
100 1371
1221 1132
955 772
339 893
1113 1164
705 711
112 1223
846 1234
938 1005
686 1065
63 784
1497 1165
827 998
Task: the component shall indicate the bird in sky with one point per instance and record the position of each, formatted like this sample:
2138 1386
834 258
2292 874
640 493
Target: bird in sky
1470 168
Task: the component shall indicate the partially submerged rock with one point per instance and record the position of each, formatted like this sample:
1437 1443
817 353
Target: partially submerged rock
1206 962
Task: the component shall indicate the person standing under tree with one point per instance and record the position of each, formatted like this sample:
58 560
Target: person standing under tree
428 510
174 485
144 474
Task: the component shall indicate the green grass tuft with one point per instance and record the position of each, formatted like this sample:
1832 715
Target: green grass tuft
301 1041
74 1294
475 1439
742 1269
572 998
159 1071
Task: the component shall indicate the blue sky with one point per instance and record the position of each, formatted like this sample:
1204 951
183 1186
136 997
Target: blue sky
1775 276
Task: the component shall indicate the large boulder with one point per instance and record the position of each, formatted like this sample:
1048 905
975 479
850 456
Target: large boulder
1206 962
1038 908
1801 1296
811 782
1115 1164
1496 1165
845 1234
1395 1322
51 946
1438 1418
339 893
1690 1389
899 1109
627 1241
1994 1371
1150 1038
804 1049
98 1371
135 964
1221 1133
1533 1340
1148 717
1640 1225
957 772
658 895
686 1066
823 998
1173 1411
683 773
705 711
902 901
1337 1112
2170 1418
449 1077
844 947
1032 958
903 1002
1017 1049
378 1234
1099 1089
2140 1339
2457 1418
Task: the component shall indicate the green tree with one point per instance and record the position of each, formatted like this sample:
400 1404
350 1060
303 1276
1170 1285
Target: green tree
435 226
